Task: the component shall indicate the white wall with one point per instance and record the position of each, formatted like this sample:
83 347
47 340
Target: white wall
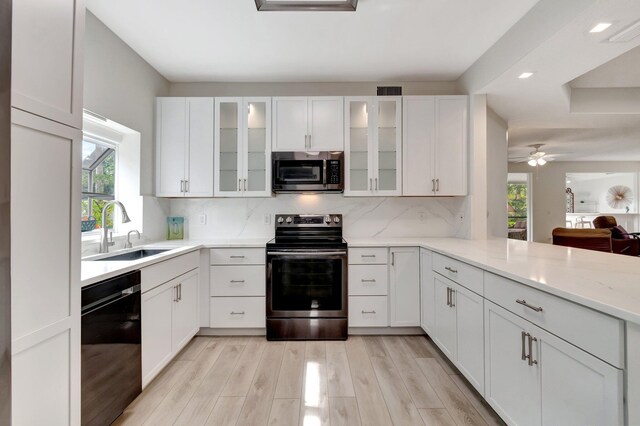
548 190
120 85
362 216
496 175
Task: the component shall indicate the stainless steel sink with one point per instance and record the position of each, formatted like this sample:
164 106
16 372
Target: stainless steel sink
133 255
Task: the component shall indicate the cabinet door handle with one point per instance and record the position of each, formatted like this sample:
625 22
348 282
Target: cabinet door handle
368 281
370 184
437 185
530 356
393 259
180 291
186 186
245 184
310 141
236 257
182 186
448 296
237 313
175 298
450 269
524 354
524 303
236 281
368 312
453 295
239 185
433 185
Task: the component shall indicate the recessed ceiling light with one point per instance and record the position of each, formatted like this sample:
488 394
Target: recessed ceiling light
307 5
600 27
525 75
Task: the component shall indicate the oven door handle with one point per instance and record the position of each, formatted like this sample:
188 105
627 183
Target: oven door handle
306 253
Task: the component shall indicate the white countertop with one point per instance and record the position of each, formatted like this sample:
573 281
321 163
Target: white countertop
605 282
93 271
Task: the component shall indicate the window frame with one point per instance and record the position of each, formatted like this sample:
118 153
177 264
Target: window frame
92 196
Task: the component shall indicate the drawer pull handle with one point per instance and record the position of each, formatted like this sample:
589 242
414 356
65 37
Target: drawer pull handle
368 281
450 269
236 281
236 257
367 255
368 312
237 313
524 303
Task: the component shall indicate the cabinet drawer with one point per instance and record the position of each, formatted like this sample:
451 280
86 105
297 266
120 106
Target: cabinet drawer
594 332
237 312
238 256
154 275
368 311
368 256
460 272
368 280
231 280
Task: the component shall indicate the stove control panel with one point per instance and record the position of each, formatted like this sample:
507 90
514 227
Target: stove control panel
308 220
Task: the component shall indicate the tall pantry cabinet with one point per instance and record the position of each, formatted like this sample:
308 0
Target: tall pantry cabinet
46 134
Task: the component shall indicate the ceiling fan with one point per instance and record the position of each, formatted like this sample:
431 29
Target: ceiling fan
535 157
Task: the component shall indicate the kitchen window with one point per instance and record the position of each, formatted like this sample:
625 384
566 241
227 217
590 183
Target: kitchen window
98 181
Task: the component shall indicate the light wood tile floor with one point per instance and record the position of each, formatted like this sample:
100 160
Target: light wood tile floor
367 380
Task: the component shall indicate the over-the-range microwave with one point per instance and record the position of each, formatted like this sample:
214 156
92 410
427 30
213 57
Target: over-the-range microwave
307 172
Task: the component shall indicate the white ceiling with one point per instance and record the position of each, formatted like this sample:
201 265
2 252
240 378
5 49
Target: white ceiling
384 40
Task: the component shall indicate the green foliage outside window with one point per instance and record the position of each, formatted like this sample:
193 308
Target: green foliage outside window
517 202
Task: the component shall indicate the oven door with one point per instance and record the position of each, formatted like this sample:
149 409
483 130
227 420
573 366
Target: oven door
306 284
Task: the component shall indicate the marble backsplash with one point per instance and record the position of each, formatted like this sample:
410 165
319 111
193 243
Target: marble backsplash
362 216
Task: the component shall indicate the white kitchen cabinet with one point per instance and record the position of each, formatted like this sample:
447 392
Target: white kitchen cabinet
444 333
169 321
242 147
373 146
535 378
427 292
308 124
45 277
435 140
469 308
185 312
157 330
404 287
184 147
47 59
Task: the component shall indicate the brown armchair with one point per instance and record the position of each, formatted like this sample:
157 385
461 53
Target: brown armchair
590 239
622 242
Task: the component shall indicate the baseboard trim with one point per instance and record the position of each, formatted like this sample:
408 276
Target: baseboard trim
353 331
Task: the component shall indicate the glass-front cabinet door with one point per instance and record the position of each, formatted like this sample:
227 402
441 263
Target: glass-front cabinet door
228 147
242 141
257 143
373 146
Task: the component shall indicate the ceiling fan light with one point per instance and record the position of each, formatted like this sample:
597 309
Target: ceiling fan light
542 161
532 162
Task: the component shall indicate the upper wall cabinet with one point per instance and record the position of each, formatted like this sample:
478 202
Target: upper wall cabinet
308 124
184 147
242 147
373 146
435 139
47 59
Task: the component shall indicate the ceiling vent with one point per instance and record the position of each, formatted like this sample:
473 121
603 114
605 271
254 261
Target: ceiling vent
307 5
628 34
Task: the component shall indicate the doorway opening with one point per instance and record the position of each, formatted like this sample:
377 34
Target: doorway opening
519 206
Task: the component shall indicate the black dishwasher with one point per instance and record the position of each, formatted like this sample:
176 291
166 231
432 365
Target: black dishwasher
111 348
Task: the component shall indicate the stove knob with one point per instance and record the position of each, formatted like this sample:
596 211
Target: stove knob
280 219
289 220
327 219
336 219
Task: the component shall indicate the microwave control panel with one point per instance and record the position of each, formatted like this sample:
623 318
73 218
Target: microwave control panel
333 171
